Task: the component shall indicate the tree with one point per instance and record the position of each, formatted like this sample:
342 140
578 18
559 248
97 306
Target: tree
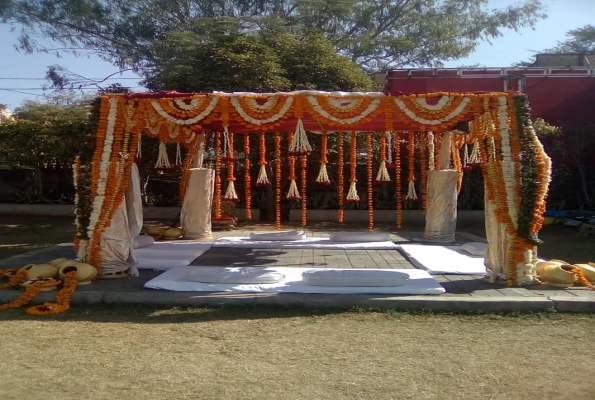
373 33
260 63
45 133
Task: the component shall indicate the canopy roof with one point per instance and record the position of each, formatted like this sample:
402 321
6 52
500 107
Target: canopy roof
169 114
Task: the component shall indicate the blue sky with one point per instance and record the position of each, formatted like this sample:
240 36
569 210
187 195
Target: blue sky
563 15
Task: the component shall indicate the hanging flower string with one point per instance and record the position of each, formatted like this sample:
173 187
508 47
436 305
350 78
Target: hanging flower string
304 199
383 176
411 193
293 192
456 143
352 196
389 150
370 171
162 159
423 150
218 175
14 278
263 179
278 180
323 178
399 189
341 177
247 178
228 146
230 193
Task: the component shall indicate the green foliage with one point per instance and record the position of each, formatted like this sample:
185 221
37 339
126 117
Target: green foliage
259 63
43 133
373 33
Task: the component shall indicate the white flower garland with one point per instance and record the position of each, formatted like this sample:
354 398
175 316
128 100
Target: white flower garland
343 104
238 107
194 103
431 160
300 143
268 105
191 121
403 107
371 108
423 102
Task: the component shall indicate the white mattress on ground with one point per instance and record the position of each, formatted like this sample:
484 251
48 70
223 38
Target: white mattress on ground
439 260
419 283
166 255
307 243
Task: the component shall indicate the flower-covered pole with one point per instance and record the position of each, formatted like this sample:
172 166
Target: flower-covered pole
323 178
217 205
278 180
370 192
247 179
341 177
262 179
399 190
293 192
230 193
411 193
382 176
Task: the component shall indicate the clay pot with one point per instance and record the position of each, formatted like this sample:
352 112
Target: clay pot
85 272
588 271
46 288
40 271
556 274
154 230
173 233
58 262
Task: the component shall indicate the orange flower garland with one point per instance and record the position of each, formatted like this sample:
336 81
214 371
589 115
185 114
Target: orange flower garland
304 159
581 278
370 194
247 180
411 194
62 303
30 292
341 178
456 143
217 205
292 193
14 279
262 179
423 154
323 178
7 273
399 190
352 196
278 180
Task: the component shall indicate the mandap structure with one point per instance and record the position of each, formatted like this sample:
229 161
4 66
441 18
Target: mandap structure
436 133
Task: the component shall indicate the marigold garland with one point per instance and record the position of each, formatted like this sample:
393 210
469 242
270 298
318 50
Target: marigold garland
262 179
14 278
278 180
411 193
399 190
323 178
62 303
383 176
217 205
247 179
230 193
304 199
293 192
581 278
352 196
423 156
341 177
30 292
370 194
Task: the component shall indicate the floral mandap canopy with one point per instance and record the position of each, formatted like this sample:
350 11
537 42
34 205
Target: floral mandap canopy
515 168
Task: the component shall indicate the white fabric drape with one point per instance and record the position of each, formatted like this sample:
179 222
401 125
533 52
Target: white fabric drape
196 209
441 217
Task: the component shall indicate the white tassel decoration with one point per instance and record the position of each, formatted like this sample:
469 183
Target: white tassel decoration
162 159
227 151
263 179
323 175
178 155
382 175
411 193
293 193
230 193
475 158
300 144
465 155
352 194
139 149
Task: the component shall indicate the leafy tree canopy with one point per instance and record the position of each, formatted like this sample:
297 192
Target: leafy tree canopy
375 34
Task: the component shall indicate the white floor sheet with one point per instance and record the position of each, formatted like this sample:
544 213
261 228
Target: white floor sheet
419 283
166 255
438 260
307 243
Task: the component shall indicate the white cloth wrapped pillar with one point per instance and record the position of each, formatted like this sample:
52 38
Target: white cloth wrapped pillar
498 244
196 209
116 241
441 217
